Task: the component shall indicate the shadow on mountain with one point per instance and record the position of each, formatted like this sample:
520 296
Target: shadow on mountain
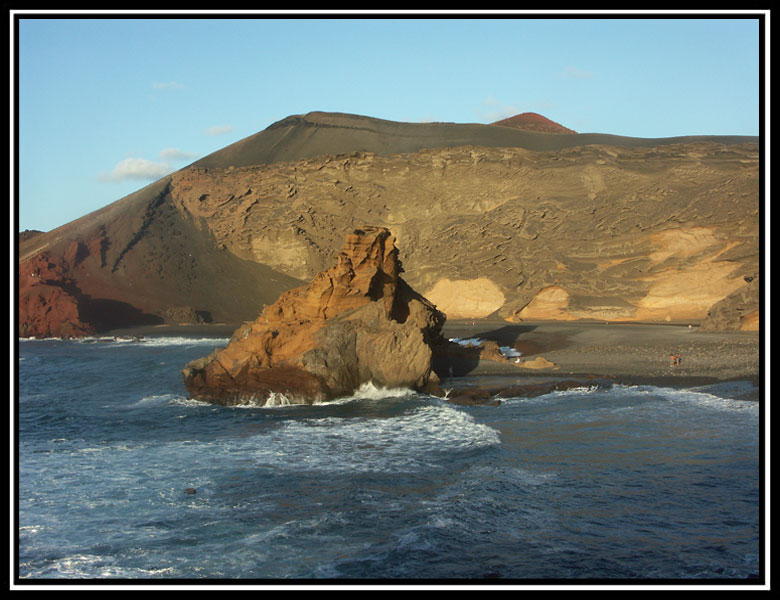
105 314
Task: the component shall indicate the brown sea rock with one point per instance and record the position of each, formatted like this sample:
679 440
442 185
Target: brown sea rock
354 323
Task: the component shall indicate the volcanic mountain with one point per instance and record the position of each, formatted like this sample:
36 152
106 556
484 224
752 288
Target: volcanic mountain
490 219
534 122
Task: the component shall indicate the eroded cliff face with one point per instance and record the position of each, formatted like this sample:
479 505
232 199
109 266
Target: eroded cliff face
592 232
355 323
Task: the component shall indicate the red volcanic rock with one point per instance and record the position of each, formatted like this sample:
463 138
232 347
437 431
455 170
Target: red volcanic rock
533 122
355 323
48 302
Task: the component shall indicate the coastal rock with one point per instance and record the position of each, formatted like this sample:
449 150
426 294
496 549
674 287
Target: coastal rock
494 395
354 323
537 363
49 302
177 315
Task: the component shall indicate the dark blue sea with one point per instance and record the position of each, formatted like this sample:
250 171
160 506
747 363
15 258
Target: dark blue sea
633 483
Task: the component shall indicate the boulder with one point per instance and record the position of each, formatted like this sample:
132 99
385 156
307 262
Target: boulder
354 323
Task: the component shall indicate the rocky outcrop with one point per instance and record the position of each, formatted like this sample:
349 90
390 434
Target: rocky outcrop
184 315
354 323
739 311
493 395
49 302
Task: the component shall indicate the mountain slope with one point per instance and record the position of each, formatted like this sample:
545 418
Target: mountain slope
319 134
490 219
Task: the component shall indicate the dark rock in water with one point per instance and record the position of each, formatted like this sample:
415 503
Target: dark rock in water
190 491
355 323
492 395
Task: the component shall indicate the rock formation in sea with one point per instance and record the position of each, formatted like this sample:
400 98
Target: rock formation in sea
491 220
354 323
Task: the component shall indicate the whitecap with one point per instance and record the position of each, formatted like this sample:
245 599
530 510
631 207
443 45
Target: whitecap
468 342
510 352
156 399
691 396
371 391
507 351
183 341
416 439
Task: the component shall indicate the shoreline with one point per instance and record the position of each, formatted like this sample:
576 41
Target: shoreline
621 353
216 330
574 353
591 353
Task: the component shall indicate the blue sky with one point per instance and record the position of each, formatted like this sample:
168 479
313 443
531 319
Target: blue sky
107 106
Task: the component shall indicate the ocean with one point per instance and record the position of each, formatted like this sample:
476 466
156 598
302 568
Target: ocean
121 477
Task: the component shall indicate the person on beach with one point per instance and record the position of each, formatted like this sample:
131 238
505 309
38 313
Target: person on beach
672 360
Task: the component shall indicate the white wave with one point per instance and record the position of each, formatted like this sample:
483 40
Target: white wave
693 396
30 528
468 342
156 399
367 391
510 352
409 441
579 390
507 351
705 399
90 565
278 399
185 401
138 340
371 391
183 341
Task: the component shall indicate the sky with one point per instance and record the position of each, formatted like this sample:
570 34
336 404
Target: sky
108 103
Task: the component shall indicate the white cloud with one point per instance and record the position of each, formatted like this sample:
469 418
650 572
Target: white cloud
176 154
575 73
136 169
219 130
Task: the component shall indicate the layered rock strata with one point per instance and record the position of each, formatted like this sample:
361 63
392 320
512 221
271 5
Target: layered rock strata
354 323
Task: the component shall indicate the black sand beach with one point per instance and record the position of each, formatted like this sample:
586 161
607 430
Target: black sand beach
614 353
